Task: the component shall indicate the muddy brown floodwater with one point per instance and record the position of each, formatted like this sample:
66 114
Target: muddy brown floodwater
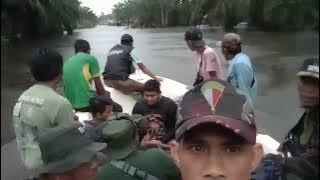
275 56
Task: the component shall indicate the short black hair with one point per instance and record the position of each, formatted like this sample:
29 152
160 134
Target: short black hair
98 104
126 39
193 34
152 85
81 46
46 65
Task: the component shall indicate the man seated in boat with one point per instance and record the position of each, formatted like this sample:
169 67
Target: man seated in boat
301 146
299 158
306 132
79 72
160 111
68 154
40 107
101 109
120 65
216 134
127 162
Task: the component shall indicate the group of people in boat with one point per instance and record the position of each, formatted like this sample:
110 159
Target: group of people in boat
210 134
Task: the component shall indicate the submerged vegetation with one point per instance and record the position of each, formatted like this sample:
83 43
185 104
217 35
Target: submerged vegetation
273 15
34 18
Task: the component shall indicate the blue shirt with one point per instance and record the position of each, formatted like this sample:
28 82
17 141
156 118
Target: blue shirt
241 75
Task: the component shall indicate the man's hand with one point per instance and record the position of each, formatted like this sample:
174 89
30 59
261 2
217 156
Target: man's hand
148 72
159 144
147 141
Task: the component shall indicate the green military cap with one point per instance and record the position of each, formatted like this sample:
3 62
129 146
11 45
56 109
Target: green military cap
120 135
137 118
65 147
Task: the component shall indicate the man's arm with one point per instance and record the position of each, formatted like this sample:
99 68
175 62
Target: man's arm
171 121
211 64
95 72
135 58
65 113
99 86
243 77
147 71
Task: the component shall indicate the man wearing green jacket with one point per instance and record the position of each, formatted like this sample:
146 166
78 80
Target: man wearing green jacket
130 163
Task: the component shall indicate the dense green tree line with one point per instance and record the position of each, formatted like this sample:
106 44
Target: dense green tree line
265 14
27 18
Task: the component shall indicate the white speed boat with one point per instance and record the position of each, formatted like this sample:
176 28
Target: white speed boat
174 90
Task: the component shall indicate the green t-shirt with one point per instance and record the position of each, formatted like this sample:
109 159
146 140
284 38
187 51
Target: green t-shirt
78 72
37 109
156 162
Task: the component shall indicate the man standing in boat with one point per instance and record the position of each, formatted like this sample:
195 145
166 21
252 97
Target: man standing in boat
209 64
306 132
120 65
79 72
240 70
299 159
301 146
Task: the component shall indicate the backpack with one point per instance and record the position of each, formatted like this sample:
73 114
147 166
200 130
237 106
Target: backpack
275 167
124 116
270 168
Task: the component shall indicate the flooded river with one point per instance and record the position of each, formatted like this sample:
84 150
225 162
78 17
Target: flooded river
276 58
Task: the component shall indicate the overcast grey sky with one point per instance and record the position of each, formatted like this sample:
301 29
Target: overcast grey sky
99 6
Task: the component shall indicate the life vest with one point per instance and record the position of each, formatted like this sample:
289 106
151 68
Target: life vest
119 63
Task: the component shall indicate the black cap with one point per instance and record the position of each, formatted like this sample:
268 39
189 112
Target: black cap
126 38
194 35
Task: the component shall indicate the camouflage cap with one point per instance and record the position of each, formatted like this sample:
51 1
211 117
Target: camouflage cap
65 147
121 138
217 102
310 68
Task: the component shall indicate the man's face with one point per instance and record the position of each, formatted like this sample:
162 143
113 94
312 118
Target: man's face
189 44
105 114
224 51
308 89
151 97
207 153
